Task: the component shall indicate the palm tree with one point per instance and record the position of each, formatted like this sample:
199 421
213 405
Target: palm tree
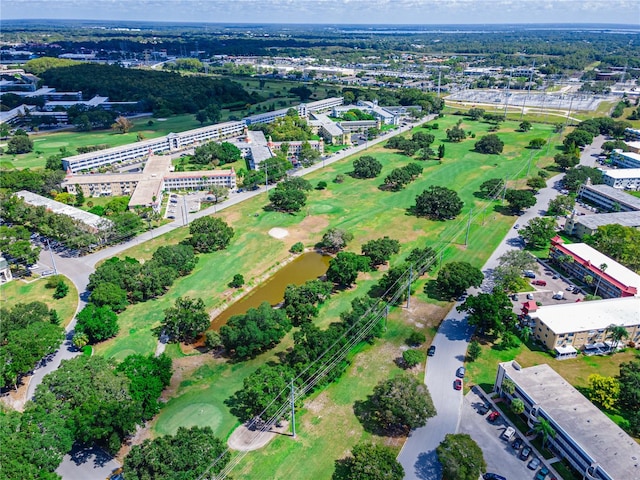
544 428
588 279
603 267
508 386
617 333
517 406
526 333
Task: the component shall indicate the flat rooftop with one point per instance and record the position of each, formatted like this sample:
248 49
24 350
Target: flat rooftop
632 155
615 194
592 315
614 269
87 218
623 172
616 452
626 219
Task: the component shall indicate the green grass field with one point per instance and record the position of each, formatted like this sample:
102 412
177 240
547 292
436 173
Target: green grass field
361 208
18 291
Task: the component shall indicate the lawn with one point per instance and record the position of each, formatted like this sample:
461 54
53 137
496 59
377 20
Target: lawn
357 206
19 291
47 144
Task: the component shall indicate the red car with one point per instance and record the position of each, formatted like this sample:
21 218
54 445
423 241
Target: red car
457 384
493 416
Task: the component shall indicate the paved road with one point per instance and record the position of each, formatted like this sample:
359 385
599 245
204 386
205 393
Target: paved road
93 464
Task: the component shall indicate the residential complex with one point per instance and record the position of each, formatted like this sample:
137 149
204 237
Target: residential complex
593 444
568 327
91 222
580 261
608 198
625 178
625 159
582 225
632 133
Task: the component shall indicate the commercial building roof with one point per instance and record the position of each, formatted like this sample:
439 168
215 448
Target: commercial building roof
626 219
623 173
614 270
89 219
632 155
587 316
616 452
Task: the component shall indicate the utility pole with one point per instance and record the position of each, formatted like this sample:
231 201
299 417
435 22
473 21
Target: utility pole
293 412
466 237
53 262
409 286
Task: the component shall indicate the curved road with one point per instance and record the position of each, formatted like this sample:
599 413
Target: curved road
418 455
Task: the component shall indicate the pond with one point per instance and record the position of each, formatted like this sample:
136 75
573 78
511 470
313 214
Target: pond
307 266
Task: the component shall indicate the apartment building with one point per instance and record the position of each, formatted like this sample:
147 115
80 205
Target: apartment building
611 279
592 443
580 226
624 178
625 159
608 198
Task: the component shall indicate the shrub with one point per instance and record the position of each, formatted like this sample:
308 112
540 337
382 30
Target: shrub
415 338
297 247
237 281
413 357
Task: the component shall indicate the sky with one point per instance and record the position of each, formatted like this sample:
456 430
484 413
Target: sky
332 11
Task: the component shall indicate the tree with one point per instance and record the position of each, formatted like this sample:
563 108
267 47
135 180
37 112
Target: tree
544 429
399 405
308 155
379 251
561 205
438 203
441 151
455 277
629 379
510 267
19 144
456 134
578 175
489 144
61 290
536 183
413 357
300 301
578 137
335 239
369 462
186 455
461 457
366 167
474 350
237 281
537 143
122 125
149 375
475 113
110 295
508 386
519 200
244 336
566 160
79 196
603 390
492 312
617 333
344 268
185 320
303 92
201 116
415 339
517 406
180 257
492 188
209 234
618 242
539 231
525 126
98 323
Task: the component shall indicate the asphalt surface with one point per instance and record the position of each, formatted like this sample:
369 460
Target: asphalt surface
90 464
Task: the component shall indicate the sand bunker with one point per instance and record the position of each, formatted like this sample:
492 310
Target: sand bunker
278 232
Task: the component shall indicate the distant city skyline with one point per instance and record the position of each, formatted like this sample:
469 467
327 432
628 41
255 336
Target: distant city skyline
428 12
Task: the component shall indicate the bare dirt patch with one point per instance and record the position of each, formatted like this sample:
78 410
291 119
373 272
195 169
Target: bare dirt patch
308 230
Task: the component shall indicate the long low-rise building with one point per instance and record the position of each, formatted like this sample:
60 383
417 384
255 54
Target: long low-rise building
93 223
625 159
591 442
610 278
624 178
608 198
580 226
582 325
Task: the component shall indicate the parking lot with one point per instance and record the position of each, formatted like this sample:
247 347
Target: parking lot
499 453
544 293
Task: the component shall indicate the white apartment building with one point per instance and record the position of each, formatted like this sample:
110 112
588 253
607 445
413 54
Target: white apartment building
625 178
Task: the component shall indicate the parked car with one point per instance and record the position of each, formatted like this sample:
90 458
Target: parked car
493 476
457 384
432 351
529 274
542 473
508 433
542 283
534 463
493 416
514 297
516 226
524 454
460 372
570 288
517 445
484 408
529 296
